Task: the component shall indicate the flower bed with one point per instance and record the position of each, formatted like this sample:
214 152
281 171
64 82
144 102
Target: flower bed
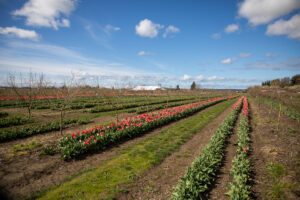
99 138
239 188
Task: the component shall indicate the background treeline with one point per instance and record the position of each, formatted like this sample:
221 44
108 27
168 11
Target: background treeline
286 81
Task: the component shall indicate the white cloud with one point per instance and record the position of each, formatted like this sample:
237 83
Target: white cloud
46 13
231 28
264 11
171 29
290 27
200 78
216 36
146 28
20 33
245 55
228 61
113 28
269 55
185 77
143 53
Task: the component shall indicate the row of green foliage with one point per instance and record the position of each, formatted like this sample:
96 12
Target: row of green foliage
73 148
290 112
162 106
239 189
13 121
201 174
13 133
3 114
130 105
80 101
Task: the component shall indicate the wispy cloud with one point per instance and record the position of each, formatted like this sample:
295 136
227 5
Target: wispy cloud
216 36
112 28
171 29
291 64
269 55
231 28
102 35
245 55
19 33
144 53
228 61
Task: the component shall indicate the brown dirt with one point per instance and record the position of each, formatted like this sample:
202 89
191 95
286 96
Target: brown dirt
157 183
270 144
23 174
224 178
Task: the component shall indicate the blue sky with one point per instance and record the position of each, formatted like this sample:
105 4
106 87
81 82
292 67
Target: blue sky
218 44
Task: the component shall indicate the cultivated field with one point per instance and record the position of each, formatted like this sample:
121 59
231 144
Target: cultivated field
89 143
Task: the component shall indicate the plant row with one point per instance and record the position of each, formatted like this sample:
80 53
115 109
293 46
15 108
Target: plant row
162 106
13 121
130 105
290 112
13 133
201 174
99 138
239 189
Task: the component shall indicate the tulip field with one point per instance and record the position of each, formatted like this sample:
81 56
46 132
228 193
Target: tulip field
146 145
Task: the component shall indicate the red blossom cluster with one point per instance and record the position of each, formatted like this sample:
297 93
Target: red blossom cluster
245 108
136 121
237 103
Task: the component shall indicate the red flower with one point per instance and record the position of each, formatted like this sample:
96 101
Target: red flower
245 148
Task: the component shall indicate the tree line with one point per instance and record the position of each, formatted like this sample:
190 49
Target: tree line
286 81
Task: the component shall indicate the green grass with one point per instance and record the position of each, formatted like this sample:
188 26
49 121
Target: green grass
276 170
26 147
133 161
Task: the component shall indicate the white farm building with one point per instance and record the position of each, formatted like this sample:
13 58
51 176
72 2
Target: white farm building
141 87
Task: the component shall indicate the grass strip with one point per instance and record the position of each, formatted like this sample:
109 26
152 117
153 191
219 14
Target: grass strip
201 174
133 161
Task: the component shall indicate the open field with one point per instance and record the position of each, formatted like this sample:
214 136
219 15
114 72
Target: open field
189 145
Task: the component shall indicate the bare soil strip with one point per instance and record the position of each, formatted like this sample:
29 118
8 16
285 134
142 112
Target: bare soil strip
280 145
158 182
25 174
224 178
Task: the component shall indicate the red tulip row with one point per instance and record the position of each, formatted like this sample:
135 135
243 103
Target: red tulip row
98 138
241 171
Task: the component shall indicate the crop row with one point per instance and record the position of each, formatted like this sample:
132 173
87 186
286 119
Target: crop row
239 189
12 121
202 172
290 112
99 138
13 133
131 105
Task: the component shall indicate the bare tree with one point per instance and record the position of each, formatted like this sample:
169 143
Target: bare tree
26 89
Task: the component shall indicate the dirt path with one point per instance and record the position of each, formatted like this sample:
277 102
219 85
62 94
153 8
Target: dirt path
25 174
224 178
157 183
272 145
